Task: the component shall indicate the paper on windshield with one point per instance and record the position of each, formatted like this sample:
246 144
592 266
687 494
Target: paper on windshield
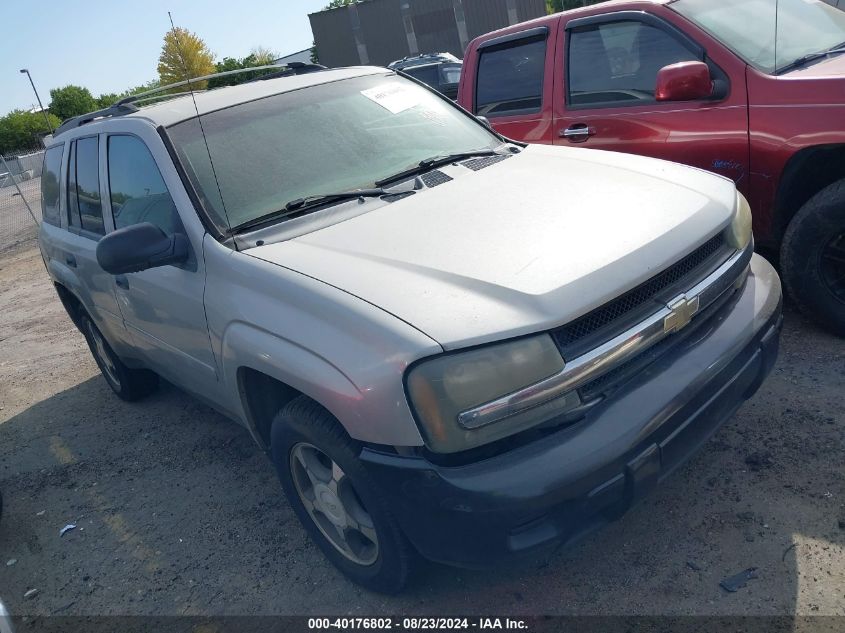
393 97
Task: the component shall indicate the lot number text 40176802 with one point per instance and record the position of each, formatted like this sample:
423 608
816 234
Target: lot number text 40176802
416 624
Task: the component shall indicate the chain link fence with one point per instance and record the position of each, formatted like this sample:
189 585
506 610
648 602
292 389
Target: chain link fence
20 198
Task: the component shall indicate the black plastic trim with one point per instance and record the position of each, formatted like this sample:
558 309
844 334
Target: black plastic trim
638 16
538 32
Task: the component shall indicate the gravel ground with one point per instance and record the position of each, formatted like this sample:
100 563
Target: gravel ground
177 512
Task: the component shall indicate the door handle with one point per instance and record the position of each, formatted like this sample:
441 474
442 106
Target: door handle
122 281
70 260
578 132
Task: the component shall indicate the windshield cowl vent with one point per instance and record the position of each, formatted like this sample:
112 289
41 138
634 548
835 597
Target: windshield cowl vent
434 178
480 163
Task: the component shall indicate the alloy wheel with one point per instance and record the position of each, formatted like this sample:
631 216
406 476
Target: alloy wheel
333 504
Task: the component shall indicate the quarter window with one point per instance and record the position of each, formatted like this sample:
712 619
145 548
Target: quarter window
137 190
619 61
510 78
85 209
50 185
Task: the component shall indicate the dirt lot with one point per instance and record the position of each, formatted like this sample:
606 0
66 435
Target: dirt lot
179 513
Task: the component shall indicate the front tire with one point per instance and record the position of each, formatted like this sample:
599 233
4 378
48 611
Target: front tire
336 500
129 384
813 258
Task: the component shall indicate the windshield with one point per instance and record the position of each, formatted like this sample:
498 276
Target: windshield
748 28
327 138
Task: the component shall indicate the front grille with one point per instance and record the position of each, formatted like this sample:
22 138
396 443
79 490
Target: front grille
621 313
480 163
620 374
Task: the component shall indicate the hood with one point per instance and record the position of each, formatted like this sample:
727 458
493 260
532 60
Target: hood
832 67
526 244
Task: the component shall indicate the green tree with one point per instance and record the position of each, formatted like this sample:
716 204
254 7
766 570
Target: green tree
71 101
258 57
263 56
150 85
184 56
22 130
226 65
107 99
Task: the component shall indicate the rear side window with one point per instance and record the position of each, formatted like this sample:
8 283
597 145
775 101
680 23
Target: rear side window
619 61
136 188
510 78
50 188
85 209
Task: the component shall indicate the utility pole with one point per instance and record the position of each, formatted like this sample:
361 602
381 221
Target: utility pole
40 105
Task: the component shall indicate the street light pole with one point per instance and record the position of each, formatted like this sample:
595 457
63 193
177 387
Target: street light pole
43 111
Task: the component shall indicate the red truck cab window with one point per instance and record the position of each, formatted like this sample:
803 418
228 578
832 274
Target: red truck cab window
510 76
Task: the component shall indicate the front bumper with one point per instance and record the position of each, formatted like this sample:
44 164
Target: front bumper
557 488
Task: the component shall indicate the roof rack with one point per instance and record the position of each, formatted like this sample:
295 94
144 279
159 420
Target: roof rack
127 105
118 109
296 68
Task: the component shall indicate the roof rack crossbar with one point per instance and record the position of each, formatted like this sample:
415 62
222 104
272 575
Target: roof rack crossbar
127 105
161 97
297 67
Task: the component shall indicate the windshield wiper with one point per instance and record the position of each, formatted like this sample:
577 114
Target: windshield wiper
435 161
811 57
302 204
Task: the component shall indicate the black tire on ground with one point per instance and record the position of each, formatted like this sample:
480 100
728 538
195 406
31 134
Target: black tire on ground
129 384
303 422
813 258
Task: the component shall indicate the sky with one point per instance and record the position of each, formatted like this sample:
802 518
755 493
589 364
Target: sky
111 45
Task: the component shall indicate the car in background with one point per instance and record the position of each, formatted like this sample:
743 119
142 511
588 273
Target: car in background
418 60
441 71
701 82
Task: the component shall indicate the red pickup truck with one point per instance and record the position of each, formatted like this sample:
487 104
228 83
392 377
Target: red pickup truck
736 87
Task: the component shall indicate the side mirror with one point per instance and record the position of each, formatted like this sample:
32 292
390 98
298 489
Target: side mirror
139 247
484 121
684 81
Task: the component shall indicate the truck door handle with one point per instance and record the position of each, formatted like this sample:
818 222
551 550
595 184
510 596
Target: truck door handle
70 260
122 282
578 132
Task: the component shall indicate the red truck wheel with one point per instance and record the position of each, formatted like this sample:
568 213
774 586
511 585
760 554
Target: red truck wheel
813 258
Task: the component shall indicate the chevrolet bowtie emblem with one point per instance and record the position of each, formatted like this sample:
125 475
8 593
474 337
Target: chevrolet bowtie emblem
683 310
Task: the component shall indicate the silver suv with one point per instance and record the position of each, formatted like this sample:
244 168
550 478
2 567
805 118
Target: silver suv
450 344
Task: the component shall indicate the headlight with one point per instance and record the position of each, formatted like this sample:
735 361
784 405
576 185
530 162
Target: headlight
444 392
739 232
